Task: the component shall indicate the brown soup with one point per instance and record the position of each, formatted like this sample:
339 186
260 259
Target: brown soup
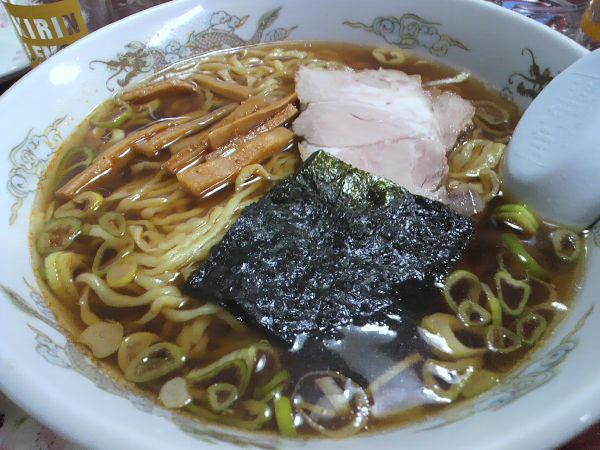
114 260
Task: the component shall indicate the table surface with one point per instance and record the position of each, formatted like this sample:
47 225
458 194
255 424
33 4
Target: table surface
19 431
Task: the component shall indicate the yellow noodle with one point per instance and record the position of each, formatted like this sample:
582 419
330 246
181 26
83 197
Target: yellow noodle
50 211
148 282
114 298
190 314
473 166
192 334
233 323
144 240
85 313
177 217
99 232
177 229
60 268
145 165
157 306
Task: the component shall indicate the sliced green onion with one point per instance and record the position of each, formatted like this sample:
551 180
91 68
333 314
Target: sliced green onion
148 108
120 247
491 113
473 314
277 383
493 305
512 243
144 113
552 306
502 340
480 381
58 235
284 416
509 263
174 394
202 412
82 205
549 288
439 331
193 338
156 361
133 345
117 116
239 361
221 396
113 223
332 421
74 160
103 338
446 379
530 327
490 184
86 315
567 244
317 410
59 269
268 363
502 277
500 260
496 133
460 276
389 56
517 215
334 394
250 415
116 135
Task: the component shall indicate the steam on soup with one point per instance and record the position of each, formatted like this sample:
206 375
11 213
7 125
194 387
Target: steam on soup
233 238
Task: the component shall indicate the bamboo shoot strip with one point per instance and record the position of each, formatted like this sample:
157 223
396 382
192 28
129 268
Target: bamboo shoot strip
200 179
198 122
279 119
248 107
233 91
199 148
190 150
223 134
110 162
171 86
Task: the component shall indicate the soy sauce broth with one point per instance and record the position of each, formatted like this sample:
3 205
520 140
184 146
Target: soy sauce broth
480 258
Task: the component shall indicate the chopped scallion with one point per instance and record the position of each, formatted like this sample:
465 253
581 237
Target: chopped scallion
512 243
567 244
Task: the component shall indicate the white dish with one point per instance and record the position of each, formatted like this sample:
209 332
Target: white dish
13 59
544 403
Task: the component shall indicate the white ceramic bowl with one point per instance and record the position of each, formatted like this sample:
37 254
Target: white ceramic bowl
547 401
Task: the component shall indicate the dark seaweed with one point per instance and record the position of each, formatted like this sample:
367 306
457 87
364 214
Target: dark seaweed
330 247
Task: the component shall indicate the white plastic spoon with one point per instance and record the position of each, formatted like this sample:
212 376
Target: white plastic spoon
553 160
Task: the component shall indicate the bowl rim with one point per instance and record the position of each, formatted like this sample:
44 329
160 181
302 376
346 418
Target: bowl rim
95 430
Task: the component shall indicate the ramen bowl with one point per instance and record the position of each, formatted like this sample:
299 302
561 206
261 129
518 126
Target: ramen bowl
545 401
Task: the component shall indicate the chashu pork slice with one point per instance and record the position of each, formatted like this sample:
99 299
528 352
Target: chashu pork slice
384 122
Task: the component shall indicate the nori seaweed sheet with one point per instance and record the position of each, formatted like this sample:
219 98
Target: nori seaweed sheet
329 247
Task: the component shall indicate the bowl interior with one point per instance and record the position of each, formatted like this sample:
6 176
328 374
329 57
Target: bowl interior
47 375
